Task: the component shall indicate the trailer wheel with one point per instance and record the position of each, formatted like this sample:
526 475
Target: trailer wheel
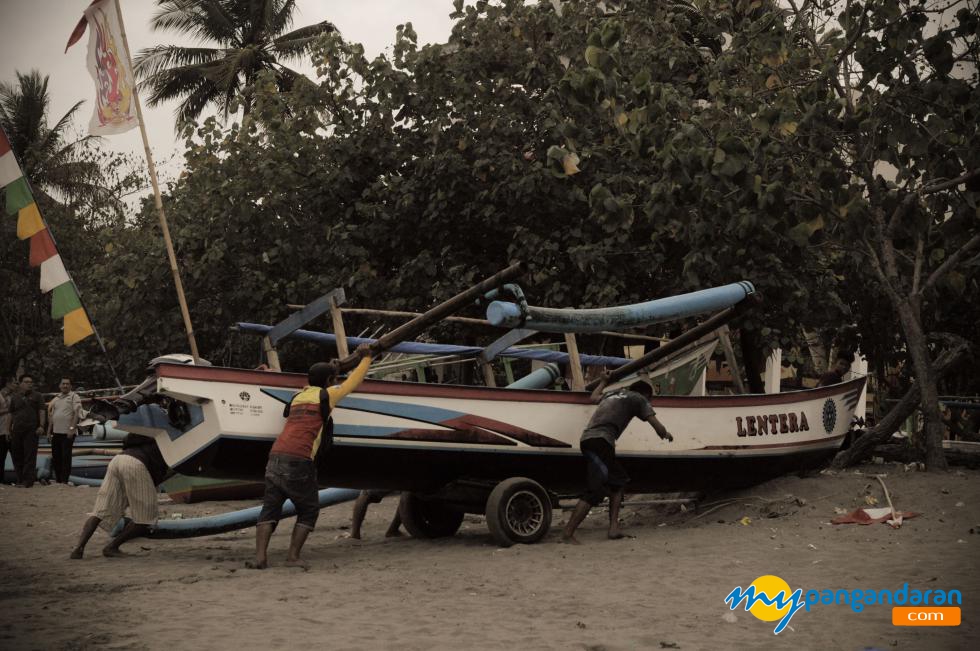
428 518
518 511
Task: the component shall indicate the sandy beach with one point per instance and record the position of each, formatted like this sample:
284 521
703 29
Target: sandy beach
663 589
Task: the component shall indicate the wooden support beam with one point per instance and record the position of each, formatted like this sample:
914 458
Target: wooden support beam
574 362
726 347
271 355
306 314
338 329
488 377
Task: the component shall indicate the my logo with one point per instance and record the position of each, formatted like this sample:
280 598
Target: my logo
770 599
244 395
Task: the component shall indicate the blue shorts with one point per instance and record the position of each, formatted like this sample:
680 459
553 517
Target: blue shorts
291 478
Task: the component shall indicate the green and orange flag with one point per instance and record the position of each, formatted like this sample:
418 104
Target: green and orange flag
65 302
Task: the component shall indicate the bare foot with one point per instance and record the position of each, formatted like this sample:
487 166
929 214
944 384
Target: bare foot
300 563
256 565
619 535
569 540
113 552
393 534
76 554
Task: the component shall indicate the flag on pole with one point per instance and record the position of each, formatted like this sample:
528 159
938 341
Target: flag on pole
65 302
108 63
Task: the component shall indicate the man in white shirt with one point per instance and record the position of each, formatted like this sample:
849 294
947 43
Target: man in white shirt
64 410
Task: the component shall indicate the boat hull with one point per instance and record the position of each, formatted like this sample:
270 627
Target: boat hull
417 437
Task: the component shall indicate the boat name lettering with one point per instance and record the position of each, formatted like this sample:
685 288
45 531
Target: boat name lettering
771 424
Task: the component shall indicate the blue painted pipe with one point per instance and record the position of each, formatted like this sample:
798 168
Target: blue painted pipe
416 348
545 319
84 481
242 519
542 378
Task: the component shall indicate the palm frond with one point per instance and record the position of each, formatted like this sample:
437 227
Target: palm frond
283 17
53 137
154 60
209 20
195 103
299 41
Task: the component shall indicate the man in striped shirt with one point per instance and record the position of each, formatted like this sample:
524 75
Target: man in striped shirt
130 481
291 470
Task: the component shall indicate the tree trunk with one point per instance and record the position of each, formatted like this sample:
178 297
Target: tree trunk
926 379
907 405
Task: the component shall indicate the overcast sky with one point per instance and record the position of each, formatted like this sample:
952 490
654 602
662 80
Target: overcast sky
33 34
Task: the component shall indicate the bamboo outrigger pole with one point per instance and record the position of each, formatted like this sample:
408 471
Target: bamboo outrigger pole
439 312
158 200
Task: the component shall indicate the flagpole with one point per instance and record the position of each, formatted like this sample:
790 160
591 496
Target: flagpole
158 199
71 279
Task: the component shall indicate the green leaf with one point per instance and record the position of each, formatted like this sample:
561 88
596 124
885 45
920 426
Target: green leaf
557 153
732 165
593 55
800 234
612 31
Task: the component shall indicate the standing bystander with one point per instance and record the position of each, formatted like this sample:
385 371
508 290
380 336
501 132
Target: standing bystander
27 423
65 410
6 392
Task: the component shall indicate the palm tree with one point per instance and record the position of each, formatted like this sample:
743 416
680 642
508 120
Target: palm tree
249 38
49 159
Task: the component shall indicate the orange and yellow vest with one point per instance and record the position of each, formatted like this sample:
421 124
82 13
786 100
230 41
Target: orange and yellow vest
306 421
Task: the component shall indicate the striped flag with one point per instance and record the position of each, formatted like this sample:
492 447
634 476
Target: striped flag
65 302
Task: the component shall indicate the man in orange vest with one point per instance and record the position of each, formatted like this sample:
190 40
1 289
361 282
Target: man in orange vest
291 470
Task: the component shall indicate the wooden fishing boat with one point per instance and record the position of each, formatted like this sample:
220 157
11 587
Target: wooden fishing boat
451 447
509 453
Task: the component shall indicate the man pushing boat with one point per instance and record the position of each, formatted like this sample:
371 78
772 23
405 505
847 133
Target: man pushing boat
291 470
605 475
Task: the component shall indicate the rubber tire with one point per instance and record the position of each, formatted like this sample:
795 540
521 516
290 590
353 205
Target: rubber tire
428 518
501 498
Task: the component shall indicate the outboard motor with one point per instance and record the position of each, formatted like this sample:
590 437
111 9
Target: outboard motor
143 393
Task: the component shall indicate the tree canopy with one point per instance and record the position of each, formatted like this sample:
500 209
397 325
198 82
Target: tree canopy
827 152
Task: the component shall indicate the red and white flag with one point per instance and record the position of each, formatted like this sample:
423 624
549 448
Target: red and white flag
109 65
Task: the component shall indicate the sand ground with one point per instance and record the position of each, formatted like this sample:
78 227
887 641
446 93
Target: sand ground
663 589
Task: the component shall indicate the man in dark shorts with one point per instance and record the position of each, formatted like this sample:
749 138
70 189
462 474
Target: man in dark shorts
291 471
606 477
28 421
360 510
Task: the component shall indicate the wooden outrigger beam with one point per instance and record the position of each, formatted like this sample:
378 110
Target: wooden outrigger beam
414 327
